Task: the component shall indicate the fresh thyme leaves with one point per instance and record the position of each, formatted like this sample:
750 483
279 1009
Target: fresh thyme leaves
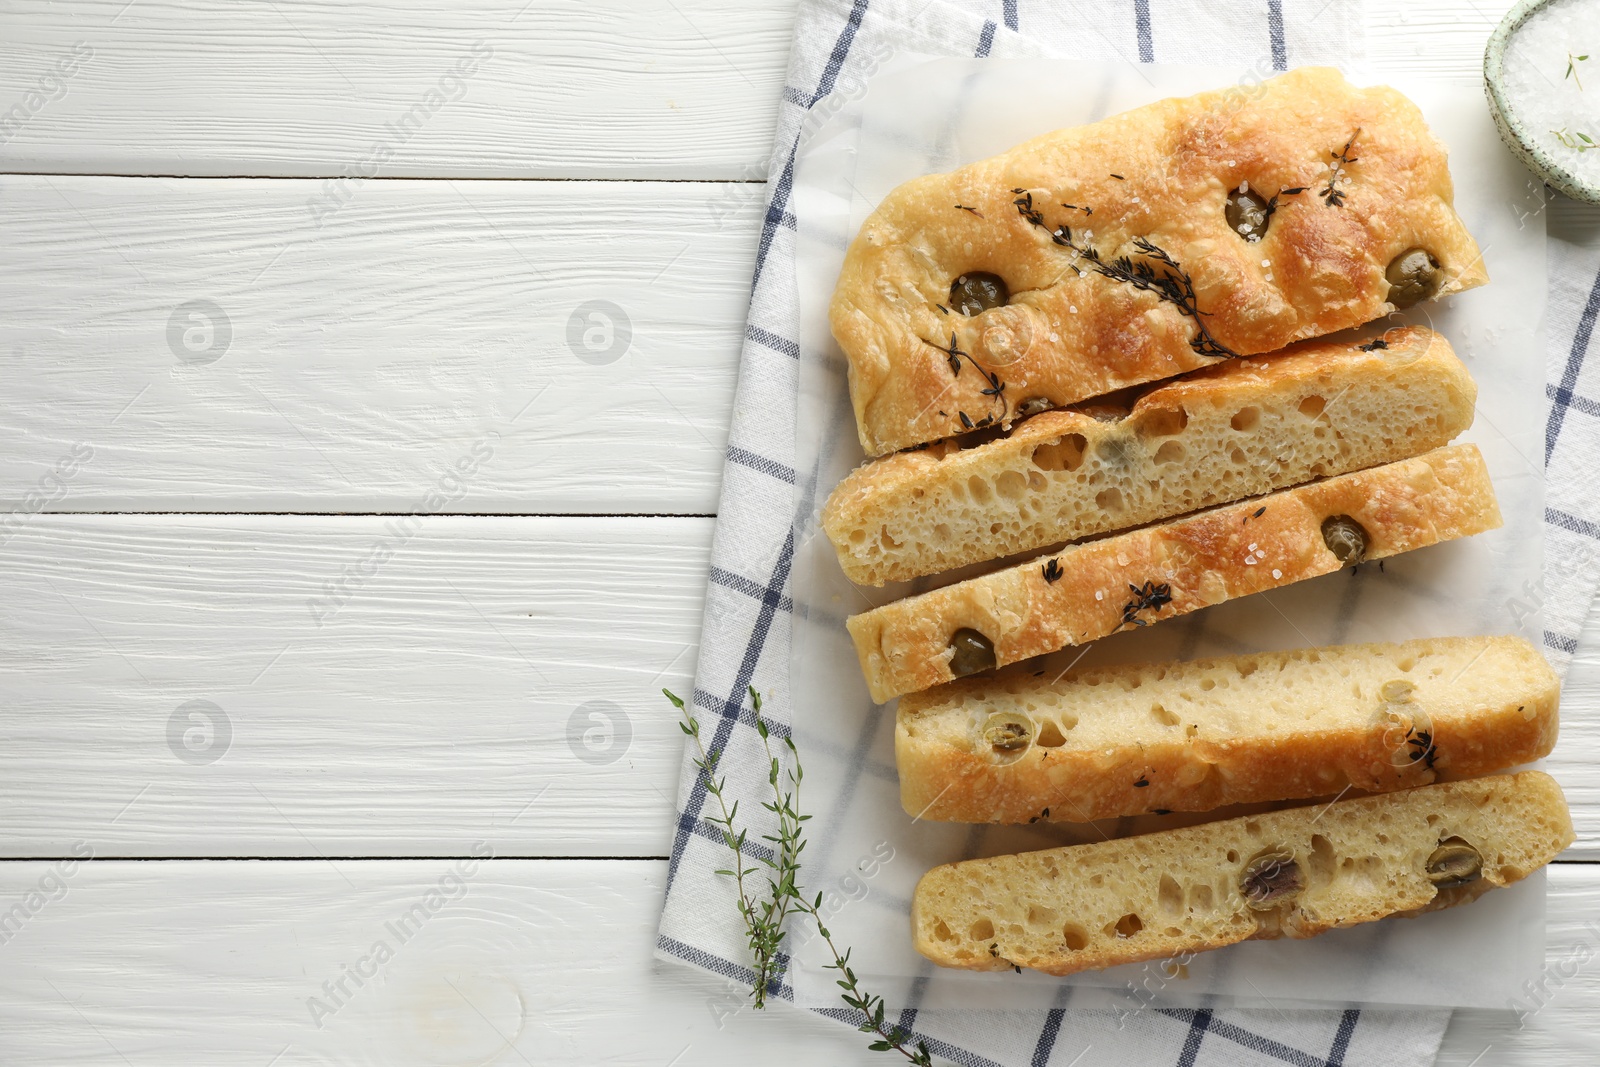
1154 272
1075 207
763 937
1580 141
1332 195
1272 204
1142 782
1148 597
1373 346
1169 282
1259 512
1119 177
1045 814
1422 742
1572 71
942 308
764 923
1052 572
954 354
973 210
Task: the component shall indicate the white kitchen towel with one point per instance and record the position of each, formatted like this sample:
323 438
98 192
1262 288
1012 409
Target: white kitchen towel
747 629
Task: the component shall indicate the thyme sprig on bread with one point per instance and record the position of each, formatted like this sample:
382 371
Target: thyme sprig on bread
1154 272
764 921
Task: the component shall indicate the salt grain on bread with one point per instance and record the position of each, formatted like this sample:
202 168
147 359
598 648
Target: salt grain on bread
1090 590
1234 430
922 280
1128 740
1293 873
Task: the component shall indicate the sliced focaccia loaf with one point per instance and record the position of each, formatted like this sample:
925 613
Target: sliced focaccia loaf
1089 590
1129 740
1151 243
1292 873
1234 430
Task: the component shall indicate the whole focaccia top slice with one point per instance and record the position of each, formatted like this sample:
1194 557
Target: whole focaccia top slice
1148 244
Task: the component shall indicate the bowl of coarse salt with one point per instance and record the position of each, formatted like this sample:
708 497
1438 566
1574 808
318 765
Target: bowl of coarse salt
1544 91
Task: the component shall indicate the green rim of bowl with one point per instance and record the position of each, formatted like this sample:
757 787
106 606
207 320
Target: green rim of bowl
1511 131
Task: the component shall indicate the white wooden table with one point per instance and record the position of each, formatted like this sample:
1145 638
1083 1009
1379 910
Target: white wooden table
256 720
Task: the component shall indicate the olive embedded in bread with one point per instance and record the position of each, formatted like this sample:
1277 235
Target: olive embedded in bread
1247 214
973 653
1346 538
1413 277
978 291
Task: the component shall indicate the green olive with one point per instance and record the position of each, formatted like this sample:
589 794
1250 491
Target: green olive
1454 863
977 291
1246 214
1414 276
1346 538
974 653
1270 879
1007 731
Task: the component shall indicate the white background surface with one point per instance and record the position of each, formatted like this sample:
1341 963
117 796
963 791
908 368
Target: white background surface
440 712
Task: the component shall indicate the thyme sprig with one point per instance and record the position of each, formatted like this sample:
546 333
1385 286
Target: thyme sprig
1331 194
996 388
1572 70
1148 597
1154 272
1582 142
763 936
764 922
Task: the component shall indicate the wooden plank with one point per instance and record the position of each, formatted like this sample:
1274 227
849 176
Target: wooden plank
539 962
186 962
288 686
380 706
620 88
214 349
494 88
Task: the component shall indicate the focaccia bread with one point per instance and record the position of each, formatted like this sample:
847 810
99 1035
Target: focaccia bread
1237 429
971 296
1294 873
1087 591
1160 737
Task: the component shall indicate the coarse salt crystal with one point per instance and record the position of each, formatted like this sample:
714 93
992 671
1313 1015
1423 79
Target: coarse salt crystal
1099 595
1276 573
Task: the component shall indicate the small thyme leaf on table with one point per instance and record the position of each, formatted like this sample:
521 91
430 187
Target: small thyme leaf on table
1572 70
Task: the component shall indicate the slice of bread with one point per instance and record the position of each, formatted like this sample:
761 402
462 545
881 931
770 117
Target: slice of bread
1292 873
1108 255
1241 428
1129 740
1089 590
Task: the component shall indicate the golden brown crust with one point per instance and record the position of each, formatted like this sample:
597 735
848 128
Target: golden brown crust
1135 739
1179 891
1320 408
1205 559
1067 337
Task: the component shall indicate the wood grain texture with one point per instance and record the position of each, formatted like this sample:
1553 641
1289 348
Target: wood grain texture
568 88
490 678
590 330
537 962
390 687
543 962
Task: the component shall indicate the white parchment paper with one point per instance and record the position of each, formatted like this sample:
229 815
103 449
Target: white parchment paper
924 115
